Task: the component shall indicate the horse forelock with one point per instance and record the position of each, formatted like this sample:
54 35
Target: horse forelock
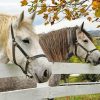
26 25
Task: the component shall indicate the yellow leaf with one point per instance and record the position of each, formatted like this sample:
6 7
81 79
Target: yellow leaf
55 17
68 12
96 4
61 3
43 8
43 5
53 1
45 16
35 1
86 13
49 9
24 2
97 12
68 17
82 10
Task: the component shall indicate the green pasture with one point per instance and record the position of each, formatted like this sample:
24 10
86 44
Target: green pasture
82 97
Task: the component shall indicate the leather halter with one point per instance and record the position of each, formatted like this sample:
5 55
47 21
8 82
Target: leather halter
29 59
78 44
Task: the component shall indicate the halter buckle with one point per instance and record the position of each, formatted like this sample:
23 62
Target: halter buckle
88 52
29 60
76 43
14 43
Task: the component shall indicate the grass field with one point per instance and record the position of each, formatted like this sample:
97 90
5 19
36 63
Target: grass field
83 97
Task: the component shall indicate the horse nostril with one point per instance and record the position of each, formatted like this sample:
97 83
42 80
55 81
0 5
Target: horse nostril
98 62
99 59
45 73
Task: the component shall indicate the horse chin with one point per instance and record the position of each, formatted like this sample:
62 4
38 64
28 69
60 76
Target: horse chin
38 79
93 62
88 61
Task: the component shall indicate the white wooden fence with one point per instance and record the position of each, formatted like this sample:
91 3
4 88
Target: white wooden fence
52 92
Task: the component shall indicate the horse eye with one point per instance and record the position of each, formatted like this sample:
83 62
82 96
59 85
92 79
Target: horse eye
26 41
86 41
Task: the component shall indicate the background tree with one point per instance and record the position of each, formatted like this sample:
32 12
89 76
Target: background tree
56 10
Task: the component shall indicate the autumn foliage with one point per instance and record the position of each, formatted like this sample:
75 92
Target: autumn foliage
96 7
56 10
24 2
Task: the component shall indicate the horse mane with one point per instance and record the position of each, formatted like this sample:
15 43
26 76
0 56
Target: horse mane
4 23
56 44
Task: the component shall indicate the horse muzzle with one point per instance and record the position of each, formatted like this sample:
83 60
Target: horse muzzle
43 75
96 62
94 59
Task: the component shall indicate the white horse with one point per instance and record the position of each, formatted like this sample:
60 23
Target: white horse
60 45
20 45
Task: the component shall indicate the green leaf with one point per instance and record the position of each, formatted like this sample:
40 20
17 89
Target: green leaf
40 12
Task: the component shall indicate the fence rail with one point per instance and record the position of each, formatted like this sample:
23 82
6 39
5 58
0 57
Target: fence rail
51 92
75 68
10 70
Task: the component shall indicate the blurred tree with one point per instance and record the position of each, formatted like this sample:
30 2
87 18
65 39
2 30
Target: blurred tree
57 10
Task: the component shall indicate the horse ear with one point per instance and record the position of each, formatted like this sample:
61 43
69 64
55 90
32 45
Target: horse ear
33 16
82 26
20 19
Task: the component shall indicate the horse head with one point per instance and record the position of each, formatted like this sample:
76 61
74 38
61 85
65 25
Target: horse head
84 46
24 50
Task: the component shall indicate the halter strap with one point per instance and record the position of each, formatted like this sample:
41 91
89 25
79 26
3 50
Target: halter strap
29 59
88 52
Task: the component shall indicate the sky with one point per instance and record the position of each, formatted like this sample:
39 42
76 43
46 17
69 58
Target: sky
13 7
